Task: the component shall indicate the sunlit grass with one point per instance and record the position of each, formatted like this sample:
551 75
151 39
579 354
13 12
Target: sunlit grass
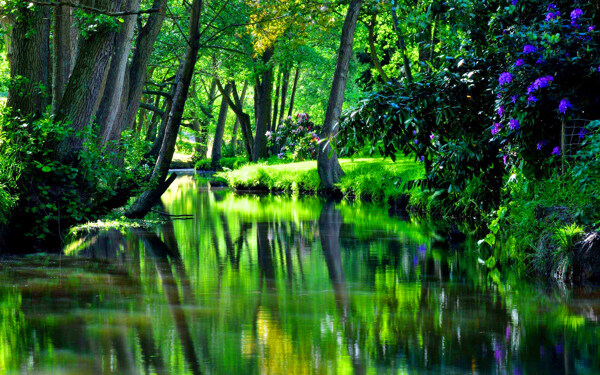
372 178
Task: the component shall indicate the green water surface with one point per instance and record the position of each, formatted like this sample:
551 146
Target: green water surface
253 284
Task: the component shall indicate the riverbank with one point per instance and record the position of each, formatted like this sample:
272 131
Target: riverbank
371 179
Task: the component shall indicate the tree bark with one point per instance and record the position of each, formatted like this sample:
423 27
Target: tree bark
148 198
218 141
294 88
327 162
84 89
110 106
29 56
264 88
62 52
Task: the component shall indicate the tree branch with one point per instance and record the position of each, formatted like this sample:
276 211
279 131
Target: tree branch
92 9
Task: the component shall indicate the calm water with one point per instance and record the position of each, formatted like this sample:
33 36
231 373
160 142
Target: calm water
279 285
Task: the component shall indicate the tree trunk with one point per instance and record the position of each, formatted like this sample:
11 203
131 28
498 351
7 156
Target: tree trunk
264 89
144 45
233 143
30 52
218 141
327 162
276 103
85 86
244 119
111 103
294 88
155 149
62 52
284 90
401 44
149 197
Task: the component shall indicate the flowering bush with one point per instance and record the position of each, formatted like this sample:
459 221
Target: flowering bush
552 75
295 139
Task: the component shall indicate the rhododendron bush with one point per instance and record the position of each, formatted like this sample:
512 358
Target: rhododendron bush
495 105
295 138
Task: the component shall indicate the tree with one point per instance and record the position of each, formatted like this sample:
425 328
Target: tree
328 165
159 180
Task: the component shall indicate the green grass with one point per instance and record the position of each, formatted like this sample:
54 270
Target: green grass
369 178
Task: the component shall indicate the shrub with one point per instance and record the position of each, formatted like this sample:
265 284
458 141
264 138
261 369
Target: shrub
537 227
295 139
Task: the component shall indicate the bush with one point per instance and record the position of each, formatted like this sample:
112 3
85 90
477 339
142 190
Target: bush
295 140
537 227
552 76
53 194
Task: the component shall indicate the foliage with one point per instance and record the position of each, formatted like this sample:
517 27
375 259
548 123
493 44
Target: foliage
440 120
551 76
537 227
295 140
67 192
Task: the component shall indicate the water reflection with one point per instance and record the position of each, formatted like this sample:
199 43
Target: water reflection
276 285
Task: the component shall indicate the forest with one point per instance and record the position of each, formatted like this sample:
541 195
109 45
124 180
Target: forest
474 124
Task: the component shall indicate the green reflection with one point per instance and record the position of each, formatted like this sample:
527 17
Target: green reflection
280 285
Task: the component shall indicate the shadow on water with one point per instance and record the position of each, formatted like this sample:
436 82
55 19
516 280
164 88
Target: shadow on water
280 285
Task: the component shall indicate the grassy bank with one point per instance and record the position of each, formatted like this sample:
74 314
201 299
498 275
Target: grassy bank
370 178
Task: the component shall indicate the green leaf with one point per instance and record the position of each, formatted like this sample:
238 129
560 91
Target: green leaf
47 169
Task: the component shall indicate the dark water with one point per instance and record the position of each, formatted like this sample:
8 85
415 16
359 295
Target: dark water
276 285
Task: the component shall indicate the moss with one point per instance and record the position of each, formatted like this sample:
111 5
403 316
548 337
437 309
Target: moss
372 179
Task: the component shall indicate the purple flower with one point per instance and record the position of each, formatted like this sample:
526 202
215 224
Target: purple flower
551 7
519 62
496 128
556 151
421 158
414 132
598 68
514 98
514 2
499 96
591 28
280 155
505 78
514 124
564 105
550 16
576 14
532 98
416 141
582 133
501 111
505 159
540 83
541 144
540 60
529 49
432 136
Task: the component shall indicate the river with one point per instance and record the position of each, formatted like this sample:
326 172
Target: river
270 284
